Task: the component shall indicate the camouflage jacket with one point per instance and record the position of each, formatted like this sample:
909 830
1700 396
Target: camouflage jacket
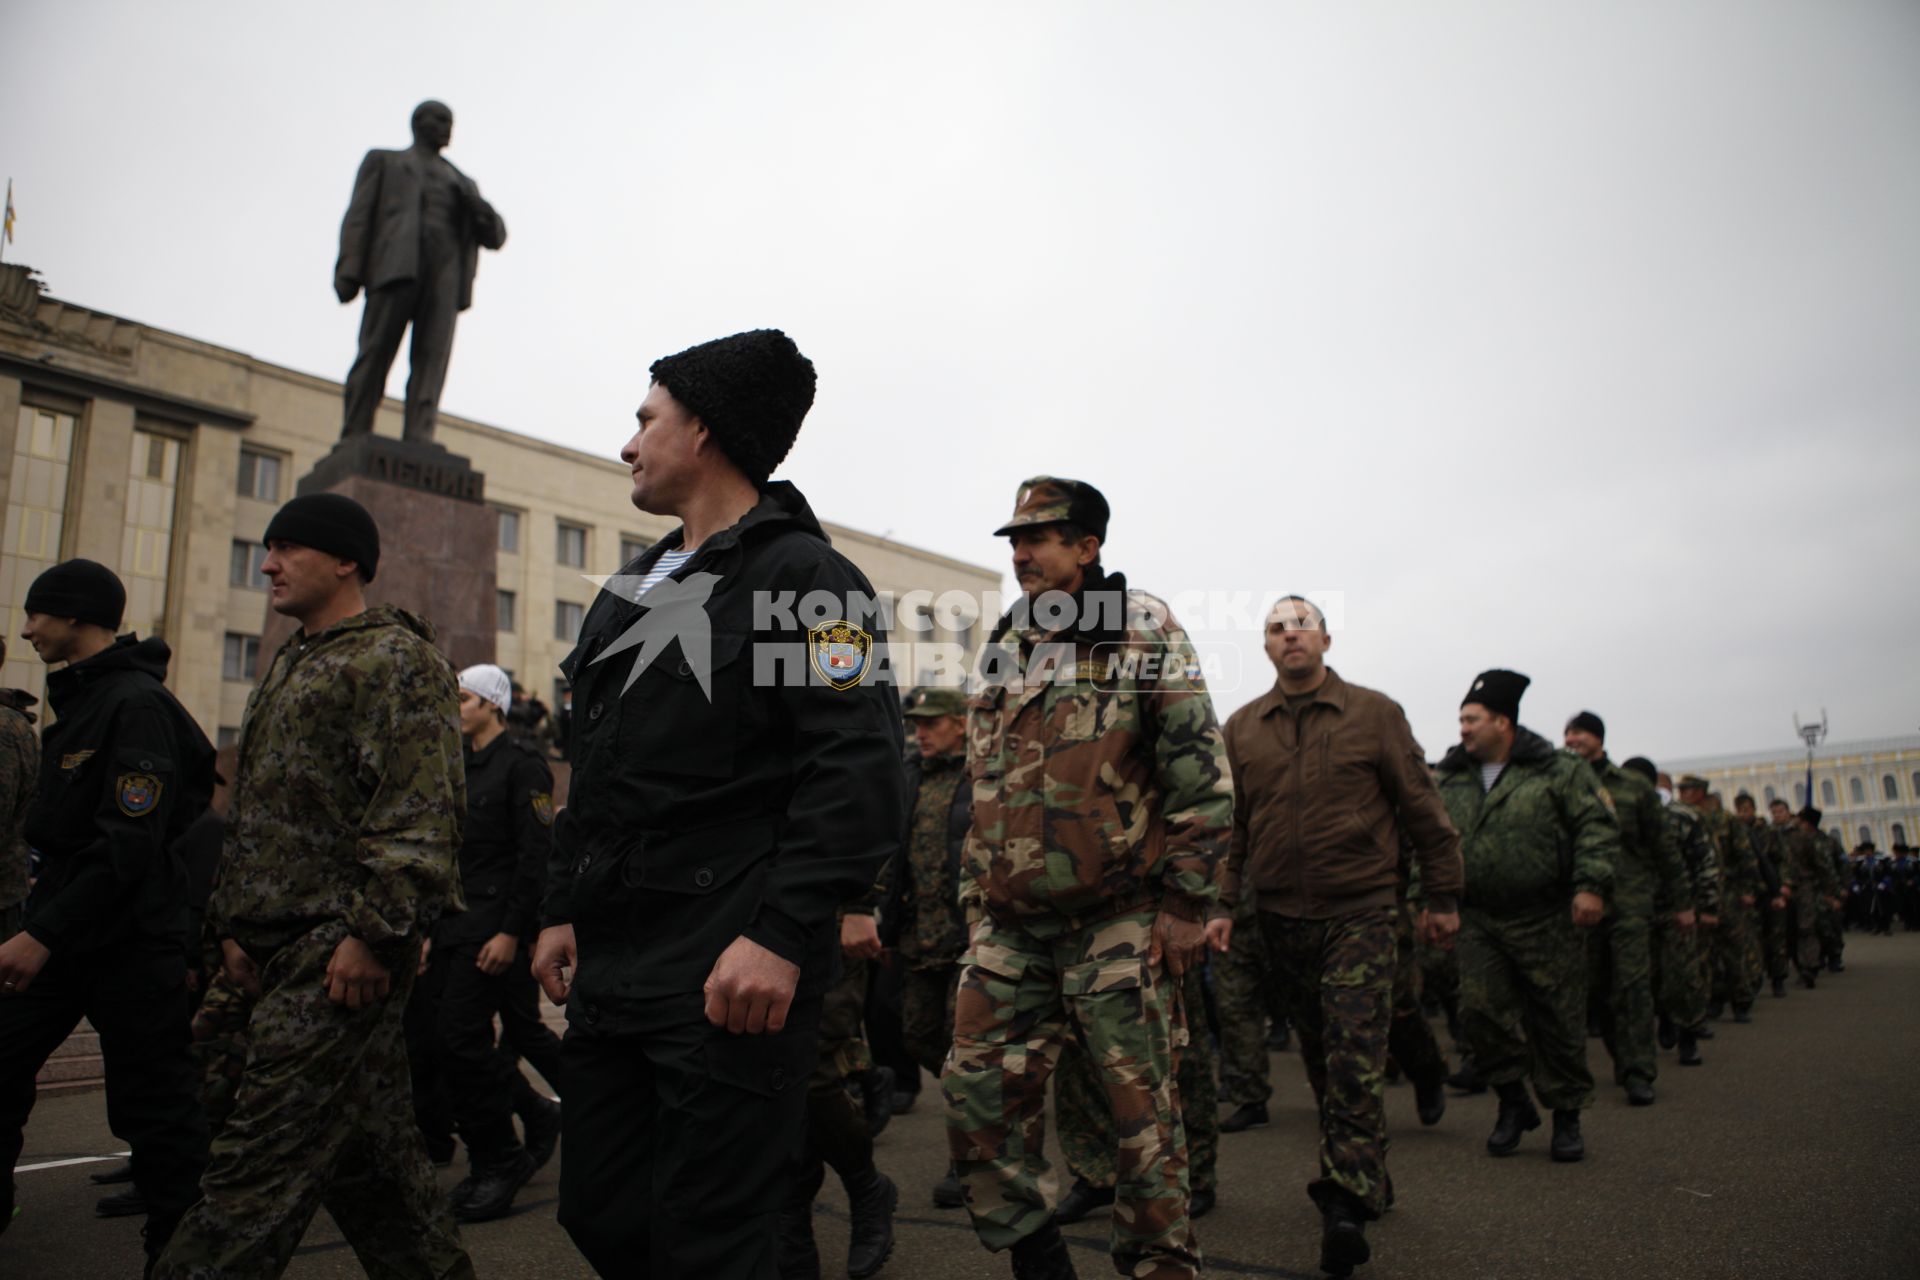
1099 771
1739 871
1697 852
1804 865
1767 852
1545 832
350 793
1650 869
19 770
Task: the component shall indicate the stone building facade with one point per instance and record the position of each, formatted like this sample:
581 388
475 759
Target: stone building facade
1864 790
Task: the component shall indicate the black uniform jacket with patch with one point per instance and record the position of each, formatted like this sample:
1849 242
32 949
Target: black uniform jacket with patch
507 839
755 807
124 771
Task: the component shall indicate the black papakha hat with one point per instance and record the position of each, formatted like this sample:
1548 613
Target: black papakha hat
329 522
1811 815
1590 722
84 590
751 390
1498 691
1642 766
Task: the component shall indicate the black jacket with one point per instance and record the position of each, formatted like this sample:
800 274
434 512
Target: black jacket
893 908
755 810
124 771
508 838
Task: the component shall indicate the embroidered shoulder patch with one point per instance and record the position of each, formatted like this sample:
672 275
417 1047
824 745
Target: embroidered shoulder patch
840 652
137 793
543 808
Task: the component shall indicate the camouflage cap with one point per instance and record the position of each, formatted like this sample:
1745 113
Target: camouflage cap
1052 500
929 702
1691 782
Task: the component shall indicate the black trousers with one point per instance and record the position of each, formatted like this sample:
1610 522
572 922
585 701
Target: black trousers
682 1141
137 1000
522 1033
458 1002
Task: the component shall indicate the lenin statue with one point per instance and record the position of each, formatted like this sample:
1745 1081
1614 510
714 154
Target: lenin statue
412 238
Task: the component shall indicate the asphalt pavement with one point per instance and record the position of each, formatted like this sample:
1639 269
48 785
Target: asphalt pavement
1791 1153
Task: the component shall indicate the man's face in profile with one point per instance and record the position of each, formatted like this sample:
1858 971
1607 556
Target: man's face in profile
433 125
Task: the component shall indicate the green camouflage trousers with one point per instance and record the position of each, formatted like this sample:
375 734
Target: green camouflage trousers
220 1046
1020 997
1440 975
926 1013
1774 939
1732 948
1523 1002
323 1114
1335 981
1679 978
1087 1140
1410 1041
1827 927
1620 992
1245 1001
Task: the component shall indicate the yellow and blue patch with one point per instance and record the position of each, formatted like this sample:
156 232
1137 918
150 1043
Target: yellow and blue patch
840 652
138 794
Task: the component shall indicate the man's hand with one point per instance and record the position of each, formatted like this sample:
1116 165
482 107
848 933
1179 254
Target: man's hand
21 959
750 989
354 978
1780 902
1709 922
555 961
345 287
1182 943
1684 920
859 937
1746 899
497 954
239 967
1838 904
1587 910
1220 934
1441 928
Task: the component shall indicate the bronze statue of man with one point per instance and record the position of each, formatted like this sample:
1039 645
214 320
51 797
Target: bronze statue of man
412 238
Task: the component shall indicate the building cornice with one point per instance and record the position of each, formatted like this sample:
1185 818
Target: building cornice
48 373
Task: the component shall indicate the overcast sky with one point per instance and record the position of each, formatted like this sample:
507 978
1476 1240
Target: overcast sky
1582 339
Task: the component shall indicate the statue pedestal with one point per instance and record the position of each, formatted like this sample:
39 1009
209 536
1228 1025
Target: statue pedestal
438 540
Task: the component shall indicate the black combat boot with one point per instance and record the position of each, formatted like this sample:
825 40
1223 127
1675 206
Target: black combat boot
1246 1116
128 1203
1200 1201
1742 1016
1689 1049
1430 1099
1517 1116
122 1172
871 1199
1567 1145
1779 988
1343 1235
1080 1201
948 1193
1640 1092
540 1125
490 1189
1043 1256
1667 1033
1468 1078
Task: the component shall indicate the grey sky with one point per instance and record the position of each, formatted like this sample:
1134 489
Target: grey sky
1580 339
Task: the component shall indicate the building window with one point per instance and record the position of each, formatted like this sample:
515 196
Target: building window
509 531
227 735
1899 833
570 545
259 475
567 617
1858 792
241 658
1866 835
508 611
1889 788
36 517
1916 782
243 569
146 536
1828 796
1769 794
631 548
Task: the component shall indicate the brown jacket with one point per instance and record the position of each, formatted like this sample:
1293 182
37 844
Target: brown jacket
1321 800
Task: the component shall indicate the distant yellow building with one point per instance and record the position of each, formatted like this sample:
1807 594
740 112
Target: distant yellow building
164 457
1864 790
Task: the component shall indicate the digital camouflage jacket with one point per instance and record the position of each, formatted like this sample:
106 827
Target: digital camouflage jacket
19 770
1650 869
1099 771
1544 833
1702 860
348 801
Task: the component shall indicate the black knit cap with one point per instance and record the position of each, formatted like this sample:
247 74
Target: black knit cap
81 589
1642 766
329 522
1498 691
751 390
1811 816
1590 722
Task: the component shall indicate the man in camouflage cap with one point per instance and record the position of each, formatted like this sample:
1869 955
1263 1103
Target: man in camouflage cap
1731 947
921 919
1101 810
340 857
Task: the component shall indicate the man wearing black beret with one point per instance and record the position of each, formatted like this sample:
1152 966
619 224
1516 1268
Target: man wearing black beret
736 778
1540 842
124 771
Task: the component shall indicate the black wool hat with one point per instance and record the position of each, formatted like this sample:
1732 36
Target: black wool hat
1642 766
1498 691
329 522
1810 815
751 390
1590 722
81 589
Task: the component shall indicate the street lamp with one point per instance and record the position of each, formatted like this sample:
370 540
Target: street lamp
1813 734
